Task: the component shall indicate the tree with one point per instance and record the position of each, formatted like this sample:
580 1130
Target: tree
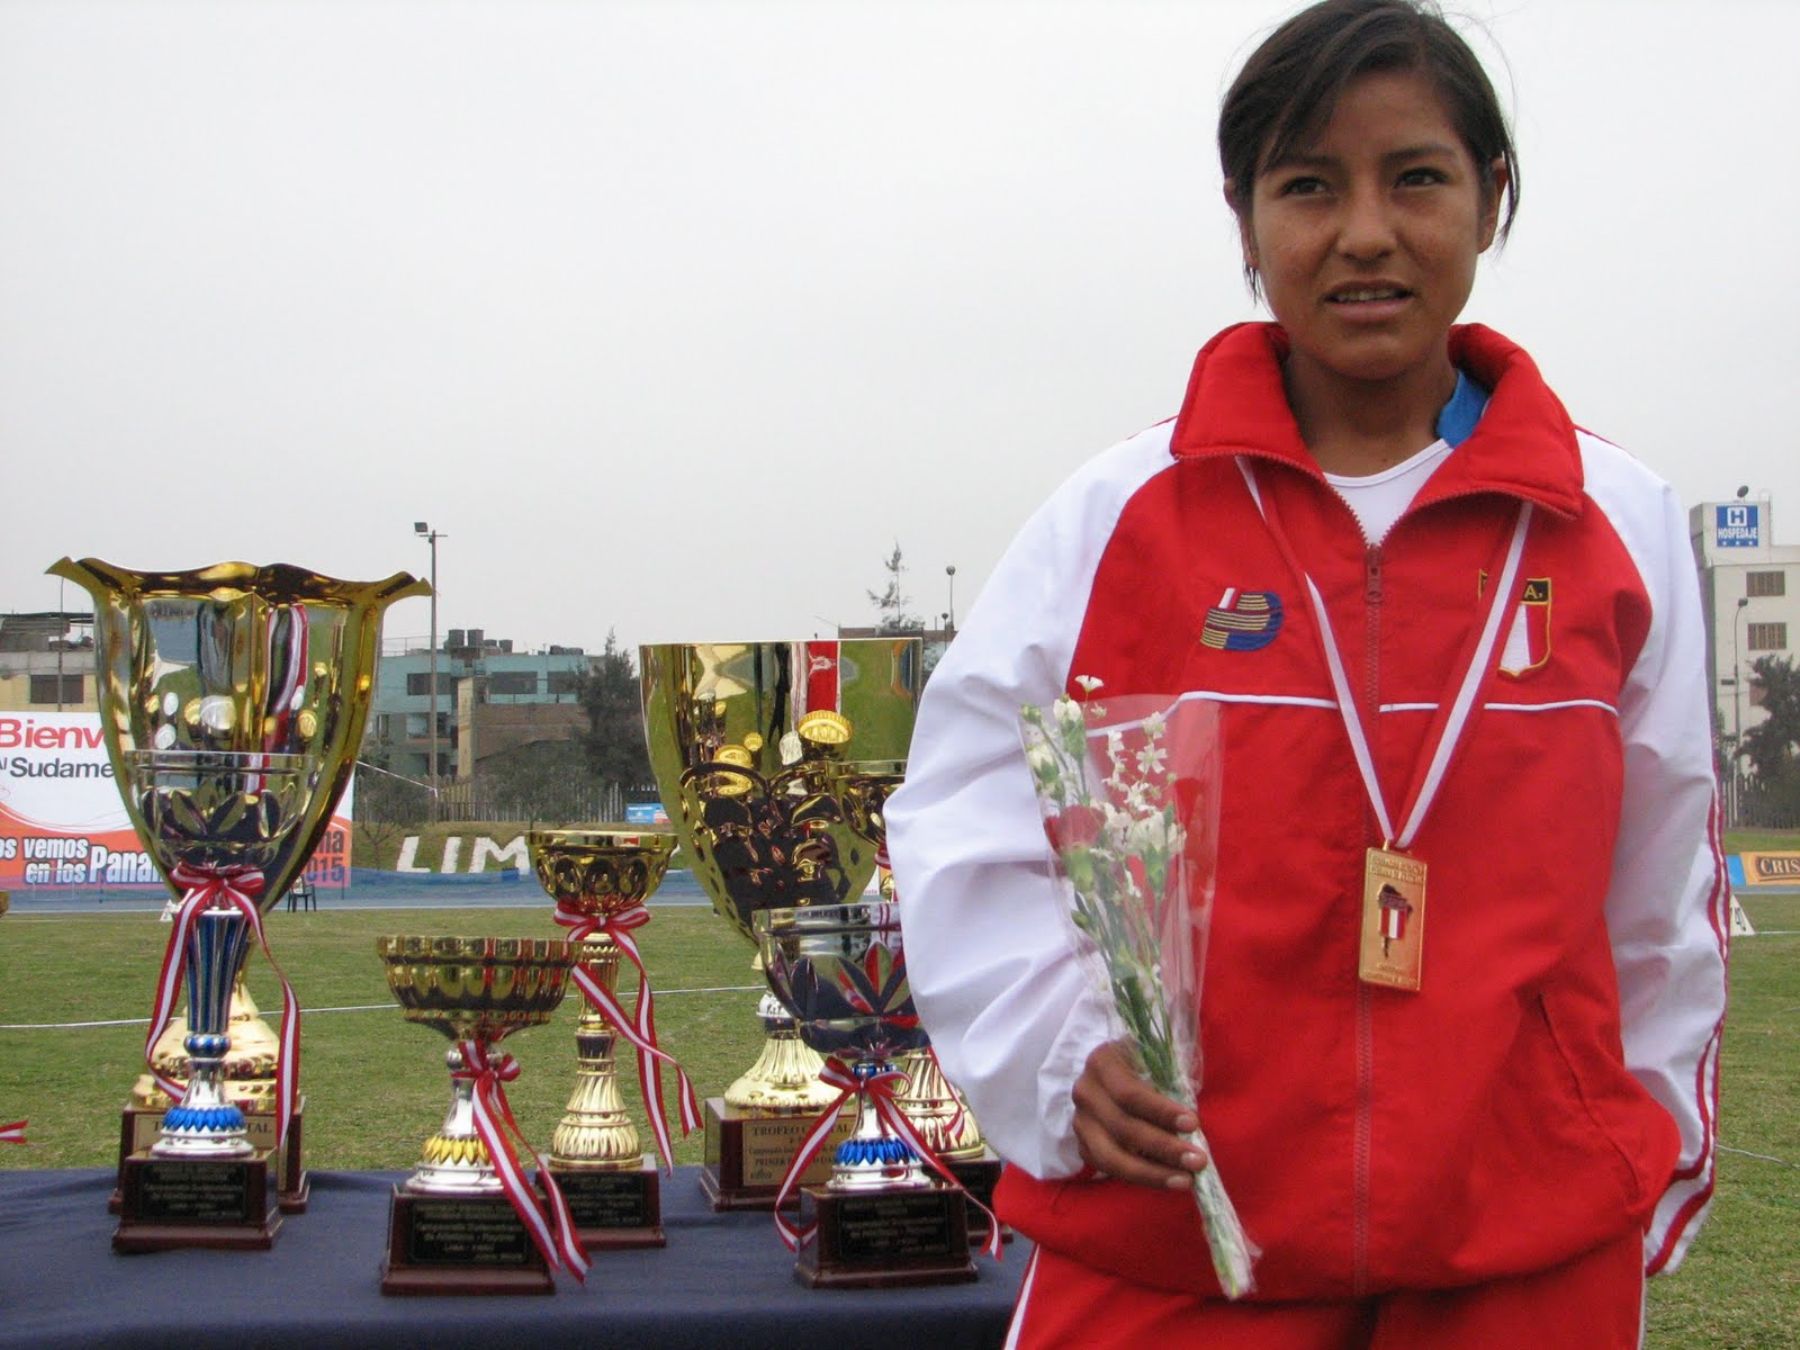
614 741
890 603
541 781
1773 745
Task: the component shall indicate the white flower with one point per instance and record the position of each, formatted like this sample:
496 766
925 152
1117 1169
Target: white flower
1068 714
1151 834
1088 683
1154 725
1117 829
1151 758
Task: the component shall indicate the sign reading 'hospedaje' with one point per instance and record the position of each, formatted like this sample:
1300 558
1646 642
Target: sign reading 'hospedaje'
63 823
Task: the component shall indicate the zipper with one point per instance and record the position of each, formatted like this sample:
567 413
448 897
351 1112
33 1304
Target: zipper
1362 1142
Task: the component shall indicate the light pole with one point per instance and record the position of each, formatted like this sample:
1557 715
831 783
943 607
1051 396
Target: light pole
431 536
63 619
950 613
1737 682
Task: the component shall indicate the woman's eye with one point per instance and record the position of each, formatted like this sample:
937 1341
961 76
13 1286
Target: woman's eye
1301 187
1422 177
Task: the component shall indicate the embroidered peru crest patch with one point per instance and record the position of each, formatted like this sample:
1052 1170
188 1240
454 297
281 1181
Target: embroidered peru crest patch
1528 640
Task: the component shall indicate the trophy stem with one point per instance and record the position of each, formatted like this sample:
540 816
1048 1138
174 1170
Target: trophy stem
784 1081
937 1110
205 1124
873 1158
595 1133
455 1160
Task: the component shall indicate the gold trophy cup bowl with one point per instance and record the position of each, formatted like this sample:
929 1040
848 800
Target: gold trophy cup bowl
741 738
237 659
610 1184
470 989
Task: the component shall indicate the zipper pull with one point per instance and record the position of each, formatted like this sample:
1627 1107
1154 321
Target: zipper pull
1372 576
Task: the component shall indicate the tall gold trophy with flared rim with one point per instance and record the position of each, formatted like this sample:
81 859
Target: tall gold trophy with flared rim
235 659
742 737
600 880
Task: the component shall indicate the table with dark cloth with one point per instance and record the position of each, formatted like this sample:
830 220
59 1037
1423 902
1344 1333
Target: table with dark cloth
723 1280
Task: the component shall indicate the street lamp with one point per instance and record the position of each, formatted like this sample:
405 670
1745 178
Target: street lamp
950 613
1737 681
431 536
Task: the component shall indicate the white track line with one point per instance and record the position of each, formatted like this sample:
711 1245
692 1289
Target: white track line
275 1015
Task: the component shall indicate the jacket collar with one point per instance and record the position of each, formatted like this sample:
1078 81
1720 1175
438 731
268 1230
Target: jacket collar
1524 446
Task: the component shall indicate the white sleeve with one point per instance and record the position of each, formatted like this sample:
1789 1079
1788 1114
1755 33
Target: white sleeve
1010 1011
1668 904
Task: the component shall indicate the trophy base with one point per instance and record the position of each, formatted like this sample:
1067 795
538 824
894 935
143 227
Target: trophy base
885 1239
978 1176
170 1203
747 1155
614 1211
141 1126
456 1245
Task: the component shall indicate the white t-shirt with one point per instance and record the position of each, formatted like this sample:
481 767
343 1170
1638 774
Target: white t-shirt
1382 498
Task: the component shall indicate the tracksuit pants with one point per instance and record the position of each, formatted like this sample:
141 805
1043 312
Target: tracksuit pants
1594 1302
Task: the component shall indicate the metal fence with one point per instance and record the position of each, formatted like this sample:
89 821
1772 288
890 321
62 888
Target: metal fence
386 799
1747 807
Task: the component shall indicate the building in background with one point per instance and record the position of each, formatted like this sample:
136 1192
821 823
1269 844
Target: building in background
490 699
47 662
1750 590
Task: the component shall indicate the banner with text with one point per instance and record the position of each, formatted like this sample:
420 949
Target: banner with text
63 823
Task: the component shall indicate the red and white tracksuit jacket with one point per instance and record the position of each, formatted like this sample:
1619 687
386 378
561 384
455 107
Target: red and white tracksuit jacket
1554 1083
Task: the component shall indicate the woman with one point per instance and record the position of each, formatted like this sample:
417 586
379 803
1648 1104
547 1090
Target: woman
1499 1155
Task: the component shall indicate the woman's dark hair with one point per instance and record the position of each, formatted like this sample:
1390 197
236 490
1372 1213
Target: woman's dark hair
1290 84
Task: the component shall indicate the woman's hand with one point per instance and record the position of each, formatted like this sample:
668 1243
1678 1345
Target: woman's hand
1127 1129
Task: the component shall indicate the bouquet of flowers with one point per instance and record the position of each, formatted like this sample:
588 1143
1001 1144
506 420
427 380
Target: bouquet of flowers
1129 792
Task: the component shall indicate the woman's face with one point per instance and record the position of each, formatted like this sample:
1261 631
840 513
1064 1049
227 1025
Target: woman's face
1366 237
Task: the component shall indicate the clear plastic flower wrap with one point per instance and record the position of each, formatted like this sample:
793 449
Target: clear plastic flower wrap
1129 790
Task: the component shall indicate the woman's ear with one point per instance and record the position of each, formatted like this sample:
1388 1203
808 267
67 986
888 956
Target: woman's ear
1246 239
1499 175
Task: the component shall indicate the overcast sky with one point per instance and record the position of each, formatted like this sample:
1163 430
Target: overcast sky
675 317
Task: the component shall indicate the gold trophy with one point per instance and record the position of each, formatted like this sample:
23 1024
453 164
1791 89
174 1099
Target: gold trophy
468 1221
928 1099
235 659
741 739
600 880
213 820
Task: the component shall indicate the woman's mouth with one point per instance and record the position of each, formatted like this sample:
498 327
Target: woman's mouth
1367 295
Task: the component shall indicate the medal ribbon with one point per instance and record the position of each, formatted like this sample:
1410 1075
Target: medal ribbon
639 1029
555 1237
13 1133
1453 716
224 888
879 1090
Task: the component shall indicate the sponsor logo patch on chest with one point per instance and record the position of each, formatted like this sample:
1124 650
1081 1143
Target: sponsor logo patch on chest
1242 621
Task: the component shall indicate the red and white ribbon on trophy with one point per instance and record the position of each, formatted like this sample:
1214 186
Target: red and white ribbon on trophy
879 1090
13 1133
640 1028
555 1236
224 888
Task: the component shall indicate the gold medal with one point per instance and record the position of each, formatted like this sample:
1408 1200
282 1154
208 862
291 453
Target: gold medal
1393 920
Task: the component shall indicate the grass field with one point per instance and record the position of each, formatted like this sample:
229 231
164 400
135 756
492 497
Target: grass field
376 1086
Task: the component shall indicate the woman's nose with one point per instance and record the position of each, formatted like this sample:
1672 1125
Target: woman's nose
1366 230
